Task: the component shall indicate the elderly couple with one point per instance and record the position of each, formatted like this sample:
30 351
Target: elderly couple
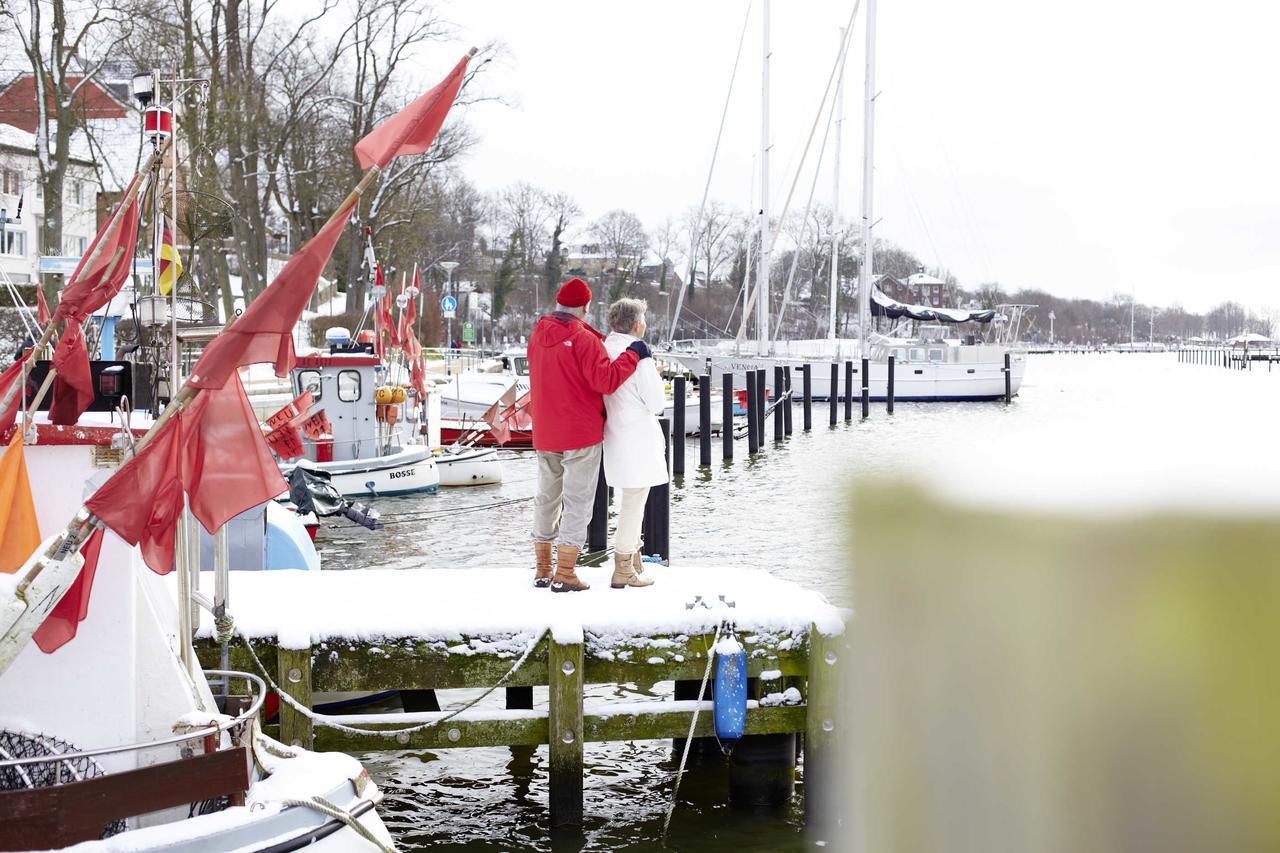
588 390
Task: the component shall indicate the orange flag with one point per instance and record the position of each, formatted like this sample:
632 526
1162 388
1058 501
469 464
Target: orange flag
60 626
414 128
19 532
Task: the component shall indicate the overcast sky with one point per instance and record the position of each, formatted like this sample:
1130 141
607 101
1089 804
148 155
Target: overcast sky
1087 148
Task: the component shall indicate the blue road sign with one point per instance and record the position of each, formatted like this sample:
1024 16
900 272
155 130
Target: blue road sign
448 303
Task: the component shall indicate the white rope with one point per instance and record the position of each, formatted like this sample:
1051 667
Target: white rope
324 720
693 724
329 809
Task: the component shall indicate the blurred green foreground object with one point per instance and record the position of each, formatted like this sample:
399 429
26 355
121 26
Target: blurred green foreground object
1053 683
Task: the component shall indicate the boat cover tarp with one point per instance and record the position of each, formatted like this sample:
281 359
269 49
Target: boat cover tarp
883 306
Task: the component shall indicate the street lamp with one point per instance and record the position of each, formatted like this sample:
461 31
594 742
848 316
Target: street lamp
449 267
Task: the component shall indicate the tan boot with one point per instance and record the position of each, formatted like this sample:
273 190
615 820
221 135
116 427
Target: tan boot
565 579
542 575
624 572
637 562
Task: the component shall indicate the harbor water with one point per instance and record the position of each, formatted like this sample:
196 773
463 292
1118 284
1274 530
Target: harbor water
785 510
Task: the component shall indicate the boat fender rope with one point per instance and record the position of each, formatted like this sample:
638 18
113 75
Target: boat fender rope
323 719
693 724
224 628
329 809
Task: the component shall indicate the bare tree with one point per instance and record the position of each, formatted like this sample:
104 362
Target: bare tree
66 46
623 239
664 239
563 211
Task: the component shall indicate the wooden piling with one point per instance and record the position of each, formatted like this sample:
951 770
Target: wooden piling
779 425
786 409
762 402
807 383
888 396
726 430
293 675
848 391
704 420
598 529
753 419
866 388
833 395
678 394
564 729
1008 379
655 528
821 719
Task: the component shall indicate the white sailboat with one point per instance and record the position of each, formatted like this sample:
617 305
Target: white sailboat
930 364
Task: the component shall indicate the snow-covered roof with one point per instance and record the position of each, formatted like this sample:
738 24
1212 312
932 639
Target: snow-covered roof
923 278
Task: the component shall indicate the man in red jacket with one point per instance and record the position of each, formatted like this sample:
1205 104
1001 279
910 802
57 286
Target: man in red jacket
569 374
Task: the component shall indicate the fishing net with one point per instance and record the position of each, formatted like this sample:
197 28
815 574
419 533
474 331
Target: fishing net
44 774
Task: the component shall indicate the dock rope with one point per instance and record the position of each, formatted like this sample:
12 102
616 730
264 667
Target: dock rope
329 809
324 720
693 724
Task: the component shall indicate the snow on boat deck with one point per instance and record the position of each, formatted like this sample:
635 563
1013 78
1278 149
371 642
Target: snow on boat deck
302 608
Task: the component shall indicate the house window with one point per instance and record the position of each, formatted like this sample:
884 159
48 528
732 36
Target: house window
11 181
82 245
15 243
348 386
310 380
77 192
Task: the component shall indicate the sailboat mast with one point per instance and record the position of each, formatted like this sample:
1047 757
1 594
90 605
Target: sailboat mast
868 160
762 285
835 200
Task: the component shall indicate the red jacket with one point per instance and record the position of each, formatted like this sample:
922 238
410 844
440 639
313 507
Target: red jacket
569 374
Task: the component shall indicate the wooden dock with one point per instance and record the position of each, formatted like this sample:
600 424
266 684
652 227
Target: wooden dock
318 632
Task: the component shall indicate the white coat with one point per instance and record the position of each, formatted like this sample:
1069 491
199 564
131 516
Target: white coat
634 450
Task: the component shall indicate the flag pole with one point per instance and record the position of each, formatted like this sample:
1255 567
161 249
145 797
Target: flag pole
47 335
23 614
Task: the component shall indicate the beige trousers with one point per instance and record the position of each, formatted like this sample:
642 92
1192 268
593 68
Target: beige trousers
626 539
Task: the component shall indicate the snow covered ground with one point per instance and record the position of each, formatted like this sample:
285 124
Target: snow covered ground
306 608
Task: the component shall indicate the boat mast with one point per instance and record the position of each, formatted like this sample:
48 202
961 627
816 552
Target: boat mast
835 199
762 304
868 159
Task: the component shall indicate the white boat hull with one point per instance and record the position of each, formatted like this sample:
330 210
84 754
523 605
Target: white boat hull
412 469
475 466
922 382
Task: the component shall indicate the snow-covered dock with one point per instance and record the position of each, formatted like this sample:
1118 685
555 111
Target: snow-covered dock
378 630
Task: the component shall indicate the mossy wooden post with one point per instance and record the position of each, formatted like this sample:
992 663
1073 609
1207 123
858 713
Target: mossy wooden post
564 731
294 677
821 718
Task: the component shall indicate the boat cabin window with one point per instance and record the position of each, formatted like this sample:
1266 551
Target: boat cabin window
900 354
917 354
348 385
521 365
310 379
937 355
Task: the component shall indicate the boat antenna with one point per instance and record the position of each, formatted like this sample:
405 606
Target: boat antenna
868 176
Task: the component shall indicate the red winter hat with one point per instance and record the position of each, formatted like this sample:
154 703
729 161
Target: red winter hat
574 293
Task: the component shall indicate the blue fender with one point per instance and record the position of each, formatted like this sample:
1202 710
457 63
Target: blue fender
730 692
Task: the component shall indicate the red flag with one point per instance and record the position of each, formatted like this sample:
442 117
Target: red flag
91 287
414 128
298 406
264 332
317 426
418 378
386 319
496 416
73 386
284 440
521 415
62 622
226 466
42 307
408 314
12 374
143 500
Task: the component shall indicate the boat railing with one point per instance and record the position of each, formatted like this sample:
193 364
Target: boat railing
213 728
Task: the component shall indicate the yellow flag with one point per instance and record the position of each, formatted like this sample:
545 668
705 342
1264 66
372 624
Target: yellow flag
170 263
19 532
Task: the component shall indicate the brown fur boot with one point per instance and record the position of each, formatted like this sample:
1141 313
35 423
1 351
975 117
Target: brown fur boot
565 579
624 572
542 575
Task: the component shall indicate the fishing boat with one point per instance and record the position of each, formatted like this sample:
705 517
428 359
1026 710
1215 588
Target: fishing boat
367 452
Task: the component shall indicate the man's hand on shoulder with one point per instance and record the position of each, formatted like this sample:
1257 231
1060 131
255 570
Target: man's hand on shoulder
641 349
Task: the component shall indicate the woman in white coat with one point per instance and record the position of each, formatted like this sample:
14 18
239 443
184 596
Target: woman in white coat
634 449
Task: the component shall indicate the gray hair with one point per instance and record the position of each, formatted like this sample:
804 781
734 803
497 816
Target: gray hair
579 311
625 313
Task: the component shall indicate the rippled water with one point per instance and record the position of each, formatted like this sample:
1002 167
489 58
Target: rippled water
784 510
